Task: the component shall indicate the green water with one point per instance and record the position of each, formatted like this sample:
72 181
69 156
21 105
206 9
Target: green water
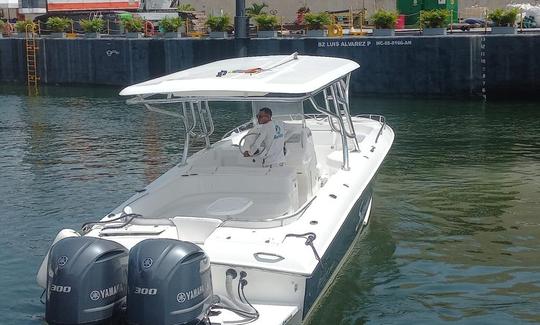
454 235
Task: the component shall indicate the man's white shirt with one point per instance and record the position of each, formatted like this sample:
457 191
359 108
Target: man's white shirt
271 139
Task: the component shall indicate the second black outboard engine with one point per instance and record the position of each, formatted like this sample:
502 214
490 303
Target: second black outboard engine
169 282
86 281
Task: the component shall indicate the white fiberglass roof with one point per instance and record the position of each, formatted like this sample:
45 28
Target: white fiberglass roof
249 76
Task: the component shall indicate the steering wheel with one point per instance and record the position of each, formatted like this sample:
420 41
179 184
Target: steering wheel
242 141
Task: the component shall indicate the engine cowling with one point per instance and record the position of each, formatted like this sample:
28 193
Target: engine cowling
86 280
169 282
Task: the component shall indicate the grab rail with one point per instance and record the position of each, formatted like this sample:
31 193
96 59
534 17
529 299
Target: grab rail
297 213
281 219
317 117
375 117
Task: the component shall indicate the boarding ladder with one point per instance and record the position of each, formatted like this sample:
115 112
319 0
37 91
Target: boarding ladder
31 59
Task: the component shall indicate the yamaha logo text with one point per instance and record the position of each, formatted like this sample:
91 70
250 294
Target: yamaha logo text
104 293
189 295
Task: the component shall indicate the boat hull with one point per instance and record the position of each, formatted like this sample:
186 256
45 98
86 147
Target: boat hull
318 283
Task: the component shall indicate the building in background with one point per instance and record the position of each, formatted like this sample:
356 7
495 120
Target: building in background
9 8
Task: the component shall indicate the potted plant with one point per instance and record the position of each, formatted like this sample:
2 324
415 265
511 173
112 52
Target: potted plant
266 25
385 23
218 26
316 23
92 27
433 22
58 26
256 9
504 20
133 27
22 26
2 28
171 27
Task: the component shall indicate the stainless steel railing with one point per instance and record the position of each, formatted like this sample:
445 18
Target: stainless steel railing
375 117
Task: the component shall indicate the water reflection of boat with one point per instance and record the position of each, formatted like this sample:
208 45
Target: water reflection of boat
272 237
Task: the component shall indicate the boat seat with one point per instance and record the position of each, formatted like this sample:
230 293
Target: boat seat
300 155
293 132
229 206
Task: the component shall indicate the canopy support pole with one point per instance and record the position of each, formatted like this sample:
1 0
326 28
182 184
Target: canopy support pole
337 92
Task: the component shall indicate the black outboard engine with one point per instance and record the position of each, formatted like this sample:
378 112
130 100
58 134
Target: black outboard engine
86 280
169 282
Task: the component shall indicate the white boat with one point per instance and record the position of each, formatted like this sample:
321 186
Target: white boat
272 238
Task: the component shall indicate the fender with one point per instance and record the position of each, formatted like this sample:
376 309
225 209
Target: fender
148 28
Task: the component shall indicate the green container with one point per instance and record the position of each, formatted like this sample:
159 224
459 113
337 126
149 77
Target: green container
411 8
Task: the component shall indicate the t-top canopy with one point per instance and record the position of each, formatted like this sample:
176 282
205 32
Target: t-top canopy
249 77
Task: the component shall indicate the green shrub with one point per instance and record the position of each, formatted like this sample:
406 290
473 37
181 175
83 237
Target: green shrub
256 9
59 24
2 25
171 24
133 25
266 21
185 7
219 23
95 25
504 17
434 18
317 20
20 26
384 19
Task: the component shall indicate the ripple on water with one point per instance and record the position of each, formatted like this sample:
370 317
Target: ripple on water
454 235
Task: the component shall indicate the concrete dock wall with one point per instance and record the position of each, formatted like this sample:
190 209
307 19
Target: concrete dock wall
456 66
